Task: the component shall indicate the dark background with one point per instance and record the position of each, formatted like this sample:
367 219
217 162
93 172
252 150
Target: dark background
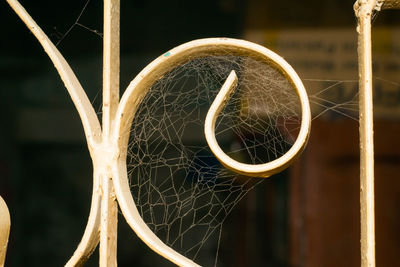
45 168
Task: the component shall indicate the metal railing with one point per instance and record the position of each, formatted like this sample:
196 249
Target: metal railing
107 142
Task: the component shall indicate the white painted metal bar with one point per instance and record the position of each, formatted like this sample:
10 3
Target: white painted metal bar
111 70
108 224
4 230
363 10
111 64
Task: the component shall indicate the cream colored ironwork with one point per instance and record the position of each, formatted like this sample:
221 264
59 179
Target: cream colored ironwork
363 11
269 168
138 88
4 230
108 144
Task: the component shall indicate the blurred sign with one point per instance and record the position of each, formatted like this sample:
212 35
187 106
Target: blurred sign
326 61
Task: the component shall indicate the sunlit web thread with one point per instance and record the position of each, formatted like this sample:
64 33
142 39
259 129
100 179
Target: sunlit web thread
61 36
343 107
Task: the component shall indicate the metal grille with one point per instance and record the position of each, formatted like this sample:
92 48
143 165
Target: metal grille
107 142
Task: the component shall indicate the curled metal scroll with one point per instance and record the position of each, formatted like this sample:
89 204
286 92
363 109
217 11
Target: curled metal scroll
138 88
269 168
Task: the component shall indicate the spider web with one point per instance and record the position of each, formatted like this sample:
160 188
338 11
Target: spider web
181 190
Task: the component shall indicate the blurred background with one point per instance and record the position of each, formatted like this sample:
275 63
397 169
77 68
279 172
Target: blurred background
307 216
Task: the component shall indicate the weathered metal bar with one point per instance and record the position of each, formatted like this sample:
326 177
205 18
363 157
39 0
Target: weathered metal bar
108 224
4 230
111 70
111 63
363 10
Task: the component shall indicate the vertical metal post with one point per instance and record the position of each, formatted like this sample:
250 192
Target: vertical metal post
111 70
363 10
111 62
